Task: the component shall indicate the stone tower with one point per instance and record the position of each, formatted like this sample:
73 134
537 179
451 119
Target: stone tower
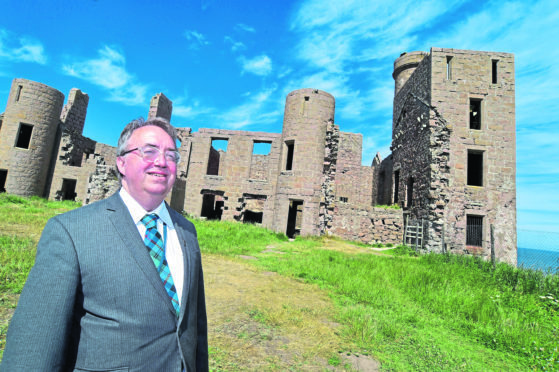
74 112
404 66
29 131
308 113
160 106
454 150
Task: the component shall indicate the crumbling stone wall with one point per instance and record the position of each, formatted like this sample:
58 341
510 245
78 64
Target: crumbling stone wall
368 225
495 200
312 181
353 185
102 182
432 112
234 184
160 106
74 112
411 141
69 165
328 198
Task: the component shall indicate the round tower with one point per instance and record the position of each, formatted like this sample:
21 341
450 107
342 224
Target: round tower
404 66
29 130
308 112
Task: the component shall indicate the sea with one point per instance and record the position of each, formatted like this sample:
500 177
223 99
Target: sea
539 259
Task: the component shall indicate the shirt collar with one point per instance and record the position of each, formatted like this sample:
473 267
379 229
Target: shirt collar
138 212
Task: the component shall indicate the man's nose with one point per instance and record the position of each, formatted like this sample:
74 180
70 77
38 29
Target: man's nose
160 160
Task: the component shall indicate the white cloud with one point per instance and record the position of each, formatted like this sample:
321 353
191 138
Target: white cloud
109 72
191 111
21 49
259 109
244 27
372 145
197 39
284 71
235 45
132 94
260 65
323 80
336 35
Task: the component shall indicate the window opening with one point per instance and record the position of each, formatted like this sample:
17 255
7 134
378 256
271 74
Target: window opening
218 150
68 191
3 177
474 230
259 163
24 136
475 168
381 188
252 217
343 199
18 94
396 186
494 71
410 192
261 148
294 218
475 114
212 206
448 67
290 147
251 208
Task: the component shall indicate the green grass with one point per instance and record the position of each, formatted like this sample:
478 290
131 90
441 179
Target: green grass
233 238
388 206
431 312
26 217
16 259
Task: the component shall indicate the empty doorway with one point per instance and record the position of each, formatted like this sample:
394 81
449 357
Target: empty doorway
3 176
212 206
68 191
294 218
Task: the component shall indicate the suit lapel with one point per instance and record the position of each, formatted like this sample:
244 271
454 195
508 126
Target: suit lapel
131 240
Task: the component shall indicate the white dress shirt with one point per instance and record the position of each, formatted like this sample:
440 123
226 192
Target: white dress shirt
173 251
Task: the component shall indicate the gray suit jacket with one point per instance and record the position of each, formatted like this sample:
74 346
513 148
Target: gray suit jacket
94 300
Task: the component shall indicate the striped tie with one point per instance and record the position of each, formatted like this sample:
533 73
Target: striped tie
156 249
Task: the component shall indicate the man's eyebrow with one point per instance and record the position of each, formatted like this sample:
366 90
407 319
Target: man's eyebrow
157 146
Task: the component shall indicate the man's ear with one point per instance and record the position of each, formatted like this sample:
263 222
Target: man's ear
121 164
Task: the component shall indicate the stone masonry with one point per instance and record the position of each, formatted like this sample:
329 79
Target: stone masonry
452 167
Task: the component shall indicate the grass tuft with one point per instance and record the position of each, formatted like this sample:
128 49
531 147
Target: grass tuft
16 259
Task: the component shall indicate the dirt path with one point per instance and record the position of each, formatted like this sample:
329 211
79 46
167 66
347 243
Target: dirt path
261 321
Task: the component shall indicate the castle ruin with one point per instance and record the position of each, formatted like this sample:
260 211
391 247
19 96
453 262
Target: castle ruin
452 168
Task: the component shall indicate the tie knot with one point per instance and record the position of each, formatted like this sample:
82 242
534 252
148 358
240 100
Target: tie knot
150 220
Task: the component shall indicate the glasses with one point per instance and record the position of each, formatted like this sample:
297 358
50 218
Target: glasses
151 153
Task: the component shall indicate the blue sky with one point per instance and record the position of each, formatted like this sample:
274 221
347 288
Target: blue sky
230 64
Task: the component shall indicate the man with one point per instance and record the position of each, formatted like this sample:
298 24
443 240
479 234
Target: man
117 285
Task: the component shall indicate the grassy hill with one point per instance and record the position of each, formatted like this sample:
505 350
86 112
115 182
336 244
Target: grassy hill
317 304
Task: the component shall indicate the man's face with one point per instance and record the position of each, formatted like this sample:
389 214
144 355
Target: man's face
148 182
